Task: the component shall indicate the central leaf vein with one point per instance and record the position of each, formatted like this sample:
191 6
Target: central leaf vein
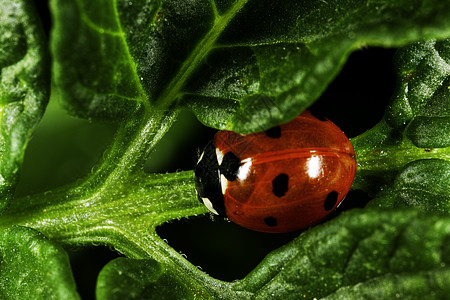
200 52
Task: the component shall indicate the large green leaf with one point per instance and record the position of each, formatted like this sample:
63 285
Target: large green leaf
372 254
24 86
33 267
416 126
242 65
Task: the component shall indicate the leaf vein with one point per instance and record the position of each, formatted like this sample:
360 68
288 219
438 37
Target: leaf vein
203 48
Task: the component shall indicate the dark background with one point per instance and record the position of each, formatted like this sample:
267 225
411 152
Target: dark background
65 148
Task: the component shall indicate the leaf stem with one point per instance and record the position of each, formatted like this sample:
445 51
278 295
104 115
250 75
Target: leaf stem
379 157
140 201
116 194
124 218
132 145
394 158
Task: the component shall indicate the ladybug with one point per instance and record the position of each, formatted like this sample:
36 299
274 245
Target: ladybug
283 179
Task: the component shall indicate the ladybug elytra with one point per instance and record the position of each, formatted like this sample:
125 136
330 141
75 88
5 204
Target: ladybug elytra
283 179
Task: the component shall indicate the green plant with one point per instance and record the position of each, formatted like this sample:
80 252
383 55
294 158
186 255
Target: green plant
239 65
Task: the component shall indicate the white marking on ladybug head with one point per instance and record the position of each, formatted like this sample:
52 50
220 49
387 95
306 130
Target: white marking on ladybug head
219 155
223 183
201 157
209 205
244 169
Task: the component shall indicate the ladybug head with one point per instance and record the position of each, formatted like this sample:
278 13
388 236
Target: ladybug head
207 181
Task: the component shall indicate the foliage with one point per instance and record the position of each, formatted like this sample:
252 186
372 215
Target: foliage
239 65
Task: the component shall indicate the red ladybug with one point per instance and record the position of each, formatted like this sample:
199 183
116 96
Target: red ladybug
283 179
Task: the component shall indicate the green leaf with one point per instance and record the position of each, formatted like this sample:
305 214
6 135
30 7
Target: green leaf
416 124
424 184
24 86
421 102
139 279
33 267
371 254
93 70
241 65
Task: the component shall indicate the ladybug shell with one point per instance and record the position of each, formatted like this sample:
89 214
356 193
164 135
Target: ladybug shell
287 178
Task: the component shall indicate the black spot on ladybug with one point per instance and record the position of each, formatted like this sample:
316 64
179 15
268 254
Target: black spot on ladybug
270 221
280 185
274 132
230 166
331 200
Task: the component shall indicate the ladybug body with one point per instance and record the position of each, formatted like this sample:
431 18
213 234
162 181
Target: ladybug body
283 179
